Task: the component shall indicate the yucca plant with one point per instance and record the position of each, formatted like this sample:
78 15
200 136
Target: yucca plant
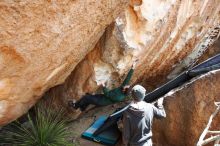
47 128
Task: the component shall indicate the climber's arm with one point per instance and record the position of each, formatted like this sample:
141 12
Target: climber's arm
130 73
105 90
128 77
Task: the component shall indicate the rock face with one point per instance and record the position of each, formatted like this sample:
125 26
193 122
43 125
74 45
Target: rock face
164 35
188 110
214 50
40 44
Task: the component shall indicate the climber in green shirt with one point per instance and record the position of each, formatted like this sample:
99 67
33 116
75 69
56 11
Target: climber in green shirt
118 94
108 96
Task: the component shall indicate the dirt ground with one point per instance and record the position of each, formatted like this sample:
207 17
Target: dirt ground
79 125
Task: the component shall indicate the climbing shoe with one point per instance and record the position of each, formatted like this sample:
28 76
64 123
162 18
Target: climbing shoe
72 103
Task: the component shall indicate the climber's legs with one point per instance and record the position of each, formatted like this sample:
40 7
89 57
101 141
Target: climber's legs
88 99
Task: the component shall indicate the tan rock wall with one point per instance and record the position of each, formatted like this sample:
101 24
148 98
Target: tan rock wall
174 35
188 110
214 50
40 44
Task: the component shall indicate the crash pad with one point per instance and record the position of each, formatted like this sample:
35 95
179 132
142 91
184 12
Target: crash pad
108 137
